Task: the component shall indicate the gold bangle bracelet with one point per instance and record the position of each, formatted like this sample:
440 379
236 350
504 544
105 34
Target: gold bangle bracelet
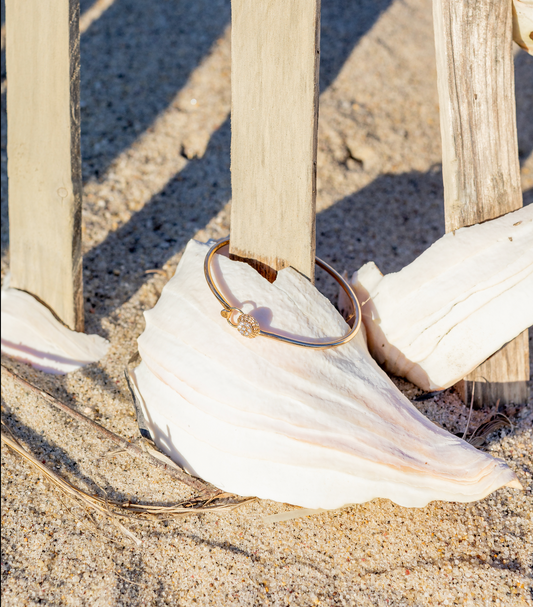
249 327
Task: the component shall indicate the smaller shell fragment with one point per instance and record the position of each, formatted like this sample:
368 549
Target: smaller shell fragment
444 314
31 334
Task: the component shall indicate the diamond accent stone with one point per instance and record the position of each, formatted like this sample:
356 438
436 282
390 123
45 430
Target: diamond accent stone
247 326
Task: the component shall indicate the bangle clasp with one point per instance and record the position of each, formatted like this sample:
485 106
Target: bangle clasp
249 327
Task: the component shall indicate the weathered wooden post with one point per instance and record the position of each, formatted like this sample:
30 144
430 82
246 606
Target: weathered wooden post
44 161
274 119
481 170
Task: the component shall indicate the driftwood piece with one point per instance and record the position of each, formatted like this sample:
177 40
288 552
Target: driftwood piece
481 170
274 119
44 166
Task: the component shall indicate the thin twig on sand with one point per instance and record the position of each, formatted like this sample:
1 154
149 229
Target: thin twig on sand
161 461
113 509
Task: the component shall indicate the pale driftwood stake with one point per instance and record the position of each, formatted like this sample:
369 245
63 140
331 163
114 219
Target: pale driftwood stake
274 119
44 161
501 377
481 171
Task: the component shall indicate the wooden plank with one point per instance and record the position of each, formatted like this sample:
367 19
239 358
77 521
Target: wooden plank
481 171
44 160
274 119
511 362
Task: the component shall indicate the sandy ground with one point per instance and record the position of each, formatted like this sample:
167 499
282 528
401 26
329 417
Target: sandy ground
155 141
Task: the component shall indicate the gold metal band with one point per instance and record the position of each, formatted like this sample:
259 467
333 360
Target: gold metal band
249 327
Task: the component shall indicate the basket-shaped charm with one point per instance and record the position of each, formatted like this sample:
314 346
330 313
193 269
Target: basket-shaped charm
247 326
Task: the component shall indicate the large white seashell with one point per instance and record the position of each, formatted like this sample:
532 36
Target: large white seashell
319 429
523 24
465 297
32 334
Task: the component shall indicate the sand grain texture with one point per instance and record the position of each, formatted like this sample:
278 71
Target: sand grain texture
155 96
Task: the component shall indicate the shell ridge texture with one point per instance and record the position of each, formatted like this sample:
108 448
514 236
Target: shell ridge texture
366 470
433 334
478 265
335 414
361 437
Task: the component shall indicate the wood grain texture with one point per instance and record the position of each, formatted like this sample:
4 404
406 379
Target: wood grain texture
502 377
481 172
477 110
44 160
274 120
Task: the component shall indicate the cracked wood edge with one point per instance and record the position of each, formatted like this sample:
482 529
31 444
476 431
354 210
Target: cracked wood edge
274 119
481 172
44 158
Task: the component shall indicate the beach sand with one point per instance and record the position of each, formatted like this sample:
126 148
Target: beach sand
155 97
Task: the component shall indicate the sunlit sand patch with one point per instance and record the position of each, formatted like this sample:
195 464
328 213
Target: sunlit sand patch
179 134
